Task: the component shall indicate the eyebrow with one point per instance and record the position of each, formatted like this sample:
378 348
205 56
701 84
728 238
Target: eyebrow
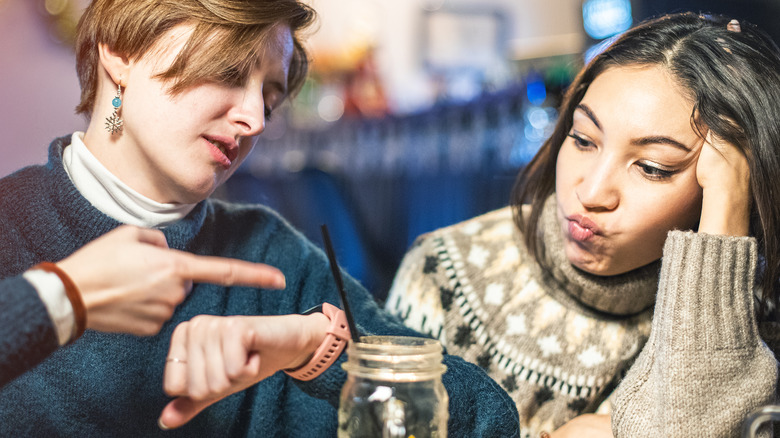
659 139
642 141
589 112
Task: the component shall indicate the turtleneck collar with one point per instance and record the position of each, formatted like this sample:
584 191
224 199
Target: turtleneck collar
55 204
623 294
110 195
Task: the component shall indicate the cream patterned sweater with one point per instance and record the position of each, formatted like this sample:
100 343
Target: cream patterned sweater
559 340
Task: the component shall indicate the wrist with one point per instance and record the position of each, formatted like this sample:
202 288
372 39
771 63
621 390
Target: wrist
330 347
725 212
317 329
52 293
73 295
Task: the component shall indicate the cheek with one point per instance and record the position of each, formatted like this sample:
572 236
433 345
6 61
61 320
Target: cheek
682 207
150 111
663 212
564 171
649 216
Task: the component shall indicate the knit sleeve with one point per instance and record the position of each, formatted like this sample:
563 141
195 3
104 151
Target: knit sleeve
27 335
704 367
478 406
415 294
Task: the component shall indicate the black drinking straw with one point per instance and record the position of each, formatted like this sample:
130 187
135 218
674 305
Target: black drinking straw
334 267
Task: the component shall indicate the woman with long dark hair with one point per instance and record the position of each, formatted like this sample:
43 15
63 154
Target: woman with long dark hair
642 238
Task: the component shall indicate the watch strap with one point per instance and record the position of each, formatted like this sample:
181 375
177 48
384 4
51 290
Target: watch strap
336 339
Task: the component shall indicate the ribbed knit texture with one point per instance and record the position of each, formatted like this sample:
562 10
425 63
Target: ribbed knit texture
111 384
705 366
474 286
20 302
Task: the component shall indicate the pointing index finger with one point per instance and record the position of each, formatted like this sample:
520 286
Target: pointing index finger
228 272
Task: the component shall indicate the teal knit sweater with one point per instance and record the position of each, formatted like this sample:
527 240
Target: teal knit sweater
111 384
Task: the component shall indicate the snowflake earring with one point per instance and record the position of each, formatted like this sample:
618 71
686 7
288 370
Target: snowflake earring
114 123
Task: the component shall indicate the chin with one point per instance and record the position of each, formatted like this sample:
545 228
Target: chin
194 195
202 187
590 269
604 269
591 266
197 196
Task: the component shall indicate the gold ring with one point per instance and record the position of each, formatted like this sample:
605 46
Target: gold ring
175 360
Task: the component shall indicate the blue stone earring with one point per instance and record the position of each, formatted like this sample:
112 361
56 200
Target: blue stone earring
114 123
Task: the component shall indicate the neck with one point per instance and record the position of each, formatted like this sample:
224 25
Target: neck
113 197
124 162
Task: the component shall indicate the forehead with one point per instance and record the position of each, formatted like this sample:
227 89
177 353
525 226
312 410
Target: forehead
645 98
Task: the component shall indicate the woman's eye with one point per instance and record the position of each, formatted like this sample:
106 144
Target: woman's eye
654 172
581 142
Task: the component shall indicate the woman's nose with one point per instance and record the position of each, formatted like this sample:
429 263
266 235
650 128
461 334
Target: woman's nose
599 188
248 113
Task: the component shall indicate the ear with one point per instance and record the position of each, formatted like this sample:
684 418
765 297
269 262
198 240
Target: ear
117 66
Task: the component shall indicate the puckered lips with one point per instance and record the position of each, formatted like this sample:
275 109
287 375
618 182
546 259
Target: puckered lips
223 149
581 228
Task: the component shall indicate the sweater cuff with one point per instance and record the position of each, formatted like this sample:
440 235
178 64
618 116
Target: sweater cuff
27 335
705 296
52 292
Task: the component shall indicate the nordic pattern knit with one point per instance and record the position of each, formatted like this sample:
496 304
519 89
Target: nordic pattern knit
474 286
111 384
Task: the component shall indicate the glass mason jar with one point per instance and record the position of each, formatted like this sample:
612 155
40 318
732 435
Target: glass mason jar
394 389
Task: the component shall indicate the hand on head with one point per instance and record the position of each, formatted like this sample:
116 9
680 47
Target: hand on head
131 281
723 173
211 357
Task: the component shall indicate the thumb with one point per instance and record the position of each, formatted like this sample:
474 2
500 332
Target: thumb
150 236
180 411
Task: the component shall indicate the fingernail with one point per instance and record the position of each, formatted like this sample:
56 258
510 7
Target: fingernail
281 283
162 425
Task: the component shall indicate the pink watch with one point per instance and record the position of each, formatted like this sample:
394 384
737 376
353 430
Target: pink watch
330 349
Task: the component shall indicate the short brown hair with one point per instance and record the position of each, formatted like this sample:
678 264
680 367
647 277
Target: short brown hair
223 45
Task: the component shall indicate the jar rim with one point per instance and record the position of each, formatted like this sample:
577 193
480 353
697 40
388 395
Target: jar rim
395 358
389 375
396 345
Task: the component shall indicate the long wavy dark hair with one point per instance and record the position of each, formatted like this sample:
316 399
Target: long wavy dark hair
733 79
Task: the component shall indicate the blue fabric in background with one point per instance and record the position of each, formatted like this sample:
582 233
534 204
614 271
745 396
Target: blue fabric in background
373 221
378 184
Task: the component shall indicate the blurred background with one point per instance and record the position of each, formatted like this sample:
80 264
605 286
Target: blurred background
417 113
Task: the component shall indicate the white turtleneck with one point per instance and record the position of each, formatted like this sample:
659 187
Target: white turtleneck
110 195
114 198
